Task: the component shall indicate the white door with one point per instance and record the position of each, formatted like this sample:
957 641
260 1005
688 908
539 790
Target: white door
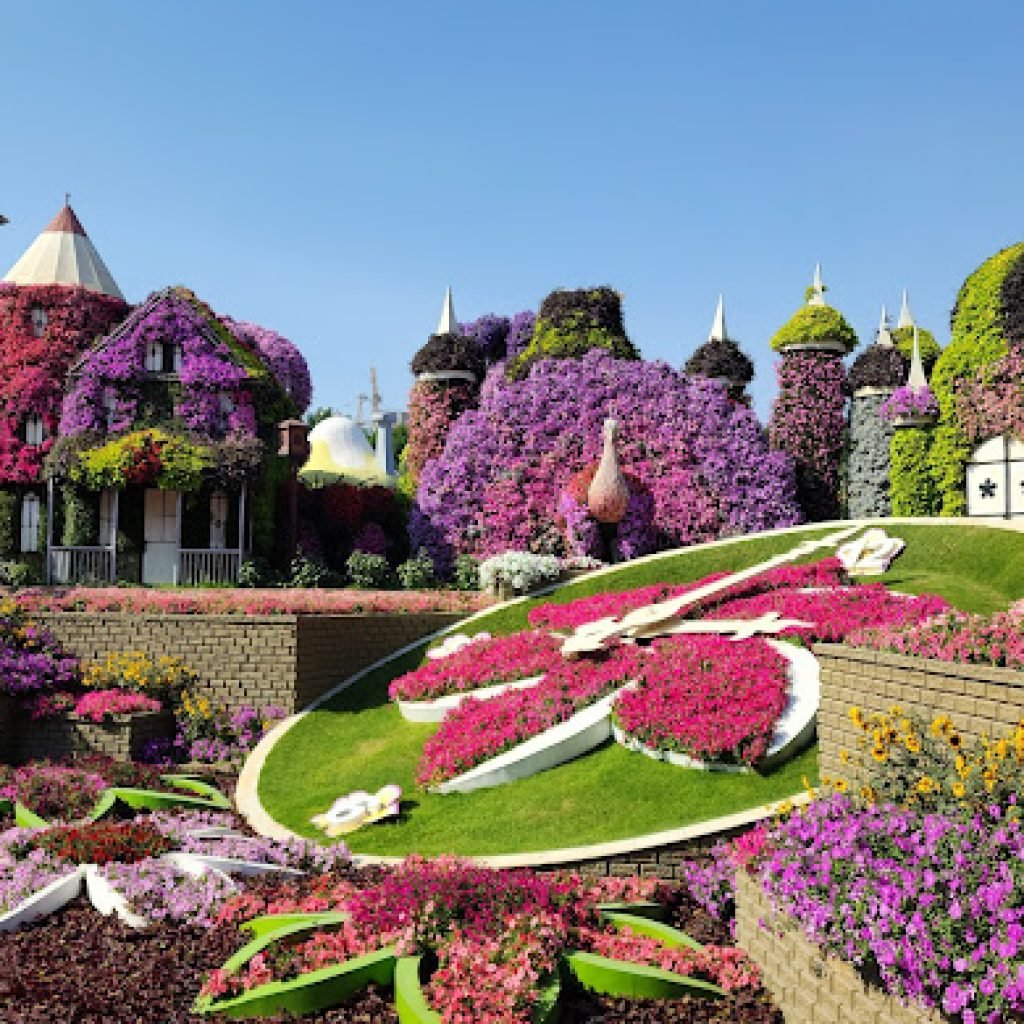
218 521
160 549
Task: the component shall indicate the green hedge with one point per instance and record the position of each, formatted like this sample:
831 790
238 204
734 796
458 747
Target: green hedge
979 338
903 339
8 523
911 490
810 324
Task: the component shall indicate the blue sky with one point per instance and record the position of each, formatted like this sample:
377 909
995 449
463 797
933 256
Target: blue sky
327 169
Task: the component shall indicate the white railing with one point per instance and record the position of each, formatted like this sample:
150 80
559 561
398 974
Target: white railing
88 566
198 566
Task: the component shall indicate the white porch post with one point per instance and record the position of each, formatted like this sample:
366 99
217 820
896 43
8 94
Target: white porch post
49 530
241 523
115 506
177 555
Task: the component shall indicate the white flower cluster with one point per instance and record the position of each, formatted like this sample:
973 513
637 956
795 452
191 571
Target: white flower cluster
519 571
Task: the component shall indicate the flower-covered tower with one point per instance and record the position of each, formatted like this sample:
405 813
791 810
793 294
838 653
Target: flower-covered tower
907 415
448 370
720 359
168 454
54 302
808 414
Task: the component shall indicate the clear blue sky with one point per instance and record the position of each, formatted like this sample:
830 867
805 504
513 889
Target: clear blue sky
327 169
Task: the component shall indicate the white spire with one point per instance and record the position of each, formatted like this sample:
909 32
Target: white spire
817 296
916 379
906 319
63 254
883 338
718 332
447 324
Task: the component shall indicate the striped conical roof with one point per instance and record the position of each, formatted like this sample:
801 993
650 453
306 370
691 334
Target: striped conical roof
63 254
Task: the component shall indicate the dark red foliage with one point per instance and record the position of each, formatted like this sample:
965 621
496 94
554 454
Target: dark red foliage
104 841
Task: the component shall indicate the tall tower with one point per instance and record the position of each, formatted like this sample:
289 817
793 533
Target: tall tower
720 358
808 413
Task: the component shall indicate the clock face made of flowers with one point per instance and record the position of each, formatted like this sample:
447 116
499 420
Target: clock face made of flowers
709 692
174 864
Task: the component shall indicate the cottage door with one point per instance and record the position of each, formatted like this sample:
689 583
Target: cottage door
160 535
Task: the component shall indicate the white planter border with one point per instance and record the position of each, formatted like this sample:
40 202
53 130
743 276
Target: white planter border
436 710
44 902
579 733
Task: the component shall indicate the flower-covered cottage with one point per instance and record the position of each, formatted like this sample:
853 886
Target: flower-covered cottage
155 431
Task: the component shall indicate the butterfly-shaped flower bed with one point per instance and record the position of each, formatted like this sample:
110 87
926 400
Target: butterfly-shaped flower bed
459 942
146 855
513 705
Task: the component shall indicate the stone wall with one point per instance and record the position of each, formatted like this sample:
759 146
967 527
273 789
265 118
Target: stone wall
275 659
979 699
807 987
123 737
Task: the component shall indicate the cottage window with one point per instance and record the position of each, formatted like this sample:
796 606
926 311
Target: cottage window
30 523
154 356
171 359
110 407
39 319
33 429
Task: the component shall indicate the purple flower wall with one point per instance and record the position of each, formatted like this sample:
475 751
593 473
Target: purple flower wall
497 484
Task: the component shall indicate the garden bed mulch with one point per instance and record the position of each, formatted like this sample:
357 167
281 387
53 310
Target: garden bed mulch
81 968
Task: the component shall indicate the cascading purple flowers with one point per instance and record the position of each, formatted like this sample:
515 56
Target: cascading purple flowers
285 361
704 459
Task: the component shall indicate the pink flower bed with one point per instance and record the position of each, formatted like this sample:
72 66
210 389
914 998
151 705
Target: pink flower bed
828 572
836 611
101 704
706 697
478 730
484 663
972 639
250 602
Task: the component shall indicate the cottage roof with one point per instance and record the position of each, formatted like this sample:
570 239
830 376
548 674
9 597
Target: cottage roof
64 254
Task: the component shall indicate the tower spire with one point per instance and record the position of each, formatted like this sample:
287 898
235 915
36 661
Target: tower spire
817 296
916 379
884 337
718 332
906 318
447 324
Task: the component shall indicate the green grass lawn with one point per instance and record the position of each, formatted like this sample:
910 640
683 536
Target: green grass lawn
359 741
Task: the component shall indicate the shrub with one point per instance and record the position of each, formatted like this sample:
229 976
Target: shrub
31 660
518 570
812 325
571 323
8 523
449 352
308 573
490 333
369 572
102 842
721 358
466 574
256 572
912 486
211 733
417 573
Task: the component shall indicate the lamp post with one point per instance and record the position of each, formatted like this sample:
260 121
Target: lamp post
293 438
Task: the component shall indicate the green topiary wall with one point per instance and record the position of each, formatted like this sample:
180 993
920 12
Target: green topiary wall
911 487
811 324
980 325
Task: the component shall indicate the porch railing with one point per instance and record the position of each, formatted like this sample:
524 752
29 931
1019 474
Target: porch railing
198 566
87 566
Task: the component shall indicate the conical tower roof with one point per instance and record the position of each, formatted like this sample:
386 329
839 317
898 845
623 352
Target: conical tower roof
63 254
447 324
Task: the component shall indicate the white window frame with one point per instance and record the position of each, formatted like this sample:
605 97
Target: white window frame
30 511
154 357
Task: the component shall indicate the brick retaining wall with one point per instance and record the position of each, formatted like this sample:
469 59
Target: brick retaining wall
275 659
807 987
978 698
61 736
